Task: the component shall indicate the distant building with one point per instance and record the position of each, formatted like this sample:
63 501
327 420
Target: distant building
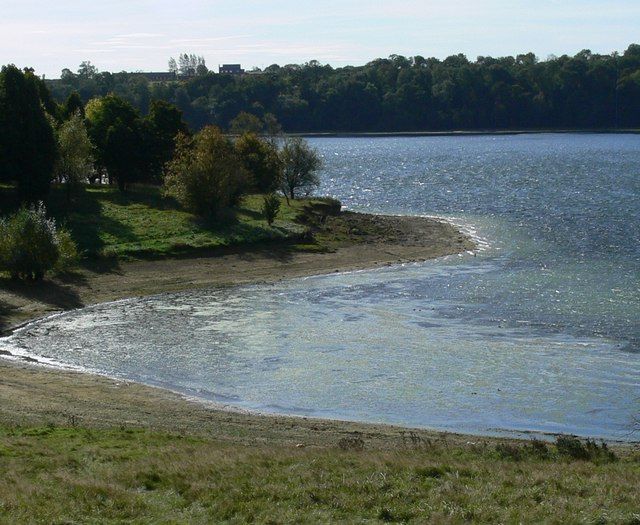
156 76
230 69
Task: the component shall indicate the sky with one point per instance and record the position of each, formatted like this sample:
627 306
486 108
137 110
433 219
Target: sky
141 35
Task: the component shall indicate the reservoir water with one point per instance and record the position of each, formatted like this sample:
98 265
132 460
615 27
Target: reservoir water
538 331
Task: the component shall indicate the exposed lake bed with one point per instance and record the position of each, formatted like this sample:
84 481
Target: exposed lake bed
547 313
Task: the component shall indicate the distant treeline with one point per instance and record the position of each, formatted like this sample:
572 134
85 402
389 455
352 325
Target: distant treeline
586 91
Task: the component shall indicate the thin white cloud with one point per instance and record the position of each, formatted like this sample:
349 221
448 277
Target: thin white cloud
140 35
206 40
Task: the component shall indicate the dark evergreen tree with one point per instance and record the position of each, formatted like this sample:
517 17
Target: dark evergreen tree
116 130
161 126
72 106
27 143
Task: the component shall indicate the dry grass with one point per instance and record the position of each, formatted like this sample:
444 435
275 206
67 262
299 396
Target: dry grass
55 475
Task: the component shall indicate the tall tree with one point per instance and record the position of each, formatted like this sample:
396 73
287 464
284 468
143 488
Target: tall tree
163 124
72 106
173 66
116 130
206 175
27 144
87 70
260 158
300 164
246 123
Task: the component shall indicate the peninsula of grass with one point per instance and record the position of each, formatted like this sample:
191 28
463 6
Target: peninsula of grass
141 223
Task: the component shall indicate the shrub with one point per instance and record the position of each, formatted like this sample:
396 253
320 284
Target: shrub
270 207
31 245
329 205
351 443
432 471
509 452
68 250
573 448
538 449
205 175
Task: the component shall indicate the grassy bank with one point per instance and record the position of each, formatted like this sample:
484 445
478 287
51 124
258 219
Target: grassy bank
71 475
142 223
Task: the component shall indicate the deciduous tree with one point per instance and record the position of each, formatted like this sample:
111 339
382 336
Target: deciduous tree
75 154
260 158
205 175
300 164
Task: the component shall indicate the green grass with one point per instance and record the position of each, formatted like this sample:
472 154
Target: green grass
141 223
72 475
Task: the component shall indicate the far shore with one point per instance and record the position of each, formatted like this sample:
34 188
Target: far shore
465 133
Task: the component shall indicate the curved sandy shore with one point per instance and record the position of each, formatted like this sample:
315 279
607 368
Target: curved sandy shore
36 395
355 241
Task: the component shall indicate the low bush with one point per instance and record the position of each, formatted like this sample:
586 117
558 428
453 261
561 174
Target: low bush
31 245
434 472
534 449
68 250
572 447
329 205
270 207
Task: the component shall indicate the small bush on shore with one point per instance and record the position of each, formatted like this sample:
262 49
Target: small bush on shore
572 447
31 245
270 207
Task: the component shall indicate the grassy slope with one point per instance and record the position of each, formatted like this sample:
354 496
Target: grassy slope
70 475
141 223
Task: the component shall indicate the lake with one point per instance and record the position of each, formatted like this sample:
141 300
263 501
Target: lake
538 331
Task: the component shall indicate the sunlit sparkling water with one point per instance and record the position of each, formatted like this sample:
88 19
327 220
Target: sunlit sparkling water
539 331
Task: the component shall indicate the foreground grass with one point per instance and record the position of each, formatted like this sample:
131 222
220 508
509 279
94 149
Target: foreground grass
142 223
70 475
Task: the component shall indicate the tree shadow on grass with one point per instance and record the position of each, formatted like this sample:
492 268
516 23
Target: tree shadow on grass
255 215
87 222
250 241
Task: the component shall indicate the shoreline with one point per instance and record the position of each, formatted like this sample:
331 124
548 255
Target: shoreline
37 394
40 393
357 241
465 133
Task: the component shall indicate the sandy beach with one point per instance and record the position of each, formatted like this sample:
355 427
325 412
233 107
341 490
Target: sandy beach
36 395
